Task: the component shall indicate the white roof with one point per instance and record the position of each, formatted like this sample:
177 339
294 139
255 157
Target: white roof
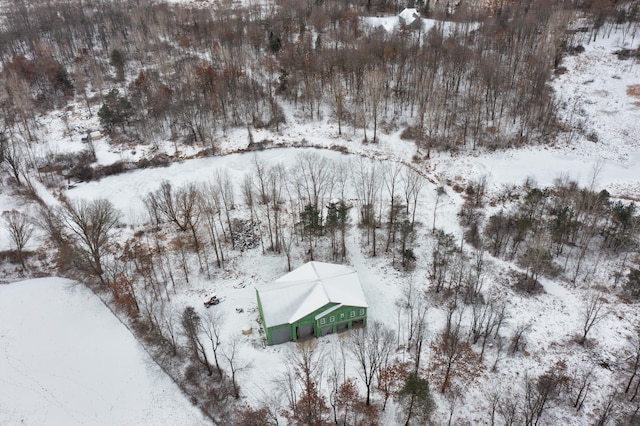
307 289
408 15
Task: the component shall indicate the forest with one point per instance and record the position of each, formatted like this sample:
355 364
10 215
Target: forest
473 77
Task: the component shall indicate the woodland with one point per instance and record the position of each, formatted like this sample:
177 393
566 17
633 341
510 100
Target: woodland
188 74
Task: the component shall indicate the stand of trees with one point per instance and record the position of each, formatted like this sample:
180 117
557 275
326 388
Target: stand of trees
552 230
479 80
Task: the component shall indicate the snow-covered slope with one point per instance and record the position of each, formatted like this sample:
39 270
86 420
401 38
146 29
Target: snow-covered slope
66 360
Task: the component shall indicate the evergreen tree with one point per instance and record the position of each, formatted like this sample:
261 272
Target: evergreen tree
633 282
115 111
275 43
62 81
416 400
118 61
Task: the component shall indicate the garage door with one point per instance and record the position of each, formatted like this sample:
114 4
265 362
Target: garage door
280 335
304 331
326 330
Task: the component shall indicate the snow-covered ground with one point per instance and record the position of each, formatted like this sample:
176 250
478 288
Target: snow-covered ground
66 360
52 388
592 95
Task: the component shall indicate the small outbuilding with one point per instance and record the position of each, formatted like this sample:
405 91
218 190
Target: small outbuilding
410 18
315 299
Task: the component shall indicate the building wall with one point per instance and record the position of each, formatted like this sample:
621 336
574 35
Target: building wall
345 315
340 319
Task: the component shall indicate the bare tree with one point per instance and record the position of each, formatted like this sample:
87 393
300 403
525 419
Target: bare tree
312 178
236 364
451 344
162 321
225 190
606 410
176 205
541 391
212 326
303 379
580 385
92 224
518 339
635 368
592 313
375 83
371 347
20 230
440 191
413 184
391 179
367 182
493 396
13 154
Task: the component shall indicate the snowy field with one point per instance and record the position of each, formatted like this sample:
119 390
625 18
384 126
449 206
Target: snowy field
66 360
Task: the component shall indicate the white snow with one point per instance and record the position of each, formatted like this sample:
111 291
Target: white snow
66 360
593 98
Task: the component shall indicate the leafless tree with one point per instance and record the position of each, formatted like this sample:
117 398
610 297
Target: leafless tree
270 186
487 320
338 99
178 206
451 343
163 321
20 229
371 347
500 346
635 369
509 409
92 224
302 382
607 410
592 313
50 221
212 326
391 178
413 184
367 183
420 332
580 386
13 154
453 397
375 83
230 352
537 260
493 397
541 391
225 190
518 339
312 178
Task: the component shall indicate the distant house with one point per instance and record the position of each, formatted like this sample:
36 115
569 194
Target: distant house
315 299
410 18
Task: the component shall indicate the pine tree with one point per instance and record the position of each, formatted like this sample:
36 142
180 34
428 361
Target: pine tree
416 400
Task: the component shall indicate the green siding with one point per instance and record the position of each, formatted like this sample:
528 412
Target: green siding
342 317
